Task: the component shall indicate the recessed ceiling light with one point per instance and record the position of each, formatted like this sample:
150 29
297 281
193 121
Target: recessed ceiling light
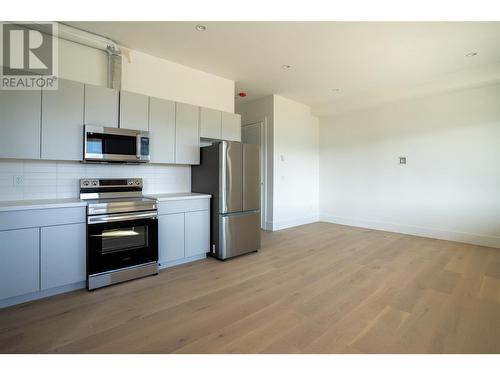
471 54
201 27
336 89
286 66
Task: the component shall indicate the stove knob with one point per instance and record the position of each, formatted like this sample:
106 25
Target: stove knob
85 183
130 182
94 182
137 182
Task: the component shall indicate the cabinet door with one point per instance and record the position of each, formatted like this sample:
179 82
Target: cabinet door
210 123
162 129
197 227
20 117
171 237
63 255
101 106
187 135
133 111
62 121
19 262
231 127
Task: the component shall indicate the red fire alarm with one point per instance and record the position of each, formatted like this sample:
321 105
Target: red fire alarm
242 94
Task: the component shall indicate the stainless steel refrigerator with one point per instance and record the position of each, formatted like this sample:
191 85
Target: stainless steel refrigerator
230 171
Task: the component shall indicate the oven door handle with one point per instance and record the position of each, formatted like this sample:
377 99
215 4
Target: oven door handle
120 217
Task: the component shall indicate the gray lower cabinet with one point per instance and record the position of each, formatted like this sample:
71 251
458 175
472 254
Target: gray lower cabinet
187 134
184 230
171 237
20 116
62 121
19 262
101 106
62 255
162 130
197 233
134 111
41 249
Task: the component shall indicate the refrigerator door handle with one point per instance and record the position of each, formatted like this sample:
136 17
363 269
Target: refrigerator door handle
240 213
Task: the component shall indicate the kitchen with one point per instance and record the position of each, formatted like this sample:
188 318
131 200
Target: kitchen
63 122
161 195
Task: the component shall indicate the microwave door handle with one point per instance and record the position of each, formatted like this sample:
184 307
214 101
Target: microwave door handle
138 146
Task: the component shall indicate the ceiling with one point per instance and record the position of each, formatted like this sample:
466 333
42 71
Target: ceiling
366 61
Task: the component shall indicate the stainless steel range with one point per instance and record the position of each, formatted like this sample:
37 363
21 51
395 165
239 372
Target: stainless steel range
122 231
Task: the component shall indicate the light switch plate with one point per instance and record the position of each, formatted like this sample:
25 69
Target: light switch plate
402 160
18 180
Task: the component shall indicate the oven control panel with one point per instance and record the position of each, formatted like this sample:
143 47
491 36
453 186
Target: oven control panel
89 183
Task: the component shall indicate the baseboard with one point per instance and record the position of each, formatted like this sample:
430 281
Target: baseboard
440 234
41 294
172 263
284 224
268 225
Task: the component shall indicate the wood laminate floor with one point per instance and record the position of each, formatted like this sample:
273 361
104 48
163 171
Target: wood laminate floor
317 288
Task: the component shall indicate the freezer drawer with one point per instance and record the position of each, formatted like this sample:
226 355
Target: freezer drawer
239 234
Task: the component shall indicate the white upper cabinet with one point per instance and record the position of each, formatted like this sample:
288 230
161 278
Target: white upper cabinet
101 106
231 127
210 123
20 117
134 111
162 129
62 121
187 134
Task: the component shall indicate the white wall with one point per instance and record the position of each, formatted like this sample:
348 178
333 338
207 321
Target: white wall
51 179
82 64
450 187
293 162
296 164
148 75
153 76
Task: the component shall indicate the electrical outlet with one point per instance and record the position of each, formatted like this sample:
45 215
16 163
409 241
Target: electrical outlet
18 180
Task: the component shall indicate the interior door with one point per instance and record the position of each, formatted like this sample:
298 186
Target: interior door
232 179
251 177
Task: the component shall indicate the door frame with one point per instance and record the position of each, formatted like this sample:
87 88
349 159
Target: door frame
263 164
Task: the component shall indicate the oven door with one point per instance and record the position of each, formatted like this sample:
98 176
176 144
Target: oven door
121 240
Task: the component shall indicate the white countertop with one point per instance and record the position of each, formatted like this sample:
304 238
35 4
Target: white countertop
177 196
39 204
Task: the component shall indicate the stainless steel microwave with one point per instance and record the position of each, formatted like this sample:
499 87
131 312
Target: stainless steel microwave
115 145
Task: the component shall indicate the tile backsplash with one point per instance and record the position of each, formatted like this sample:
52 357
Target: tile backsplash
32 179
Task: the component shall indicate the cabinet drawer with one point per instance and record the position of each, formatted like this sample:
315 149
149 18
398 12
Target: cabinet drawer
171 207
41 218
